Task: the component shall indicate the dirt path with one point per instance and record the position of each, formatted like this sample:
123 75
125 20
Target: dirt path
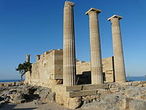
33 106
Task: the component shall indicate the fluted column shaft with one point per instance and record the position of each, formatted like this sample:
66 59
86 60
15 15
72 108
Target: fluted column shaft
95 48
69 60
120 75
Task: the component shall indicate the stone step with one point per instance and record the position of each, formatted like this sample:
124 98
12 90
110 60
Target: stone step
82 93
86 87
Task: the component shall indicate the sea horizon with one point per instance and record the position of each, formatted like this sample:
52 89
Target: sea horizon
10 80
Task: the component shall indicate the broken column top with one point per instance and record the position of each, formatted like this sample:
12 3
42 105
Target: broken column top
27 55
115 16
68 3
93 10
27 58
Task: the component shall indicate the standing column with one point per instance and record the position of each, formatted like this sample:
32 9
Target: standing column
69 60
27 75
120 75
96 61
27 58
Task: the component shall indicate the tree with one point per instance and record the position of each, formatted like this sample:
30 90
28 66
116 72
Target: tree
23 68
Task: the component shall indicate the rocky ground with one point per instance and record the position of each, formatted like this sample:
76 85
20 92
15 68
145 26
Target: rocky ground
25 93
129 96
126 96
24 97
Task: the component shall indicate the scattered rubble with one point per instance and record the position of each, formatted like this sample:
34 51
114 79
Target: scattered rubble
24 93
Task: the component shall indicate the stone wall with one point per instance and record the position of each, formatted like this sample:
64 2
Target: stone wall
48 69
107 64
8 84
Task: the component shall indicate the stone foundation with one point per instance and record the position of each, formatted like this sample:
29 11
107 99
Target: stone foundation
119 96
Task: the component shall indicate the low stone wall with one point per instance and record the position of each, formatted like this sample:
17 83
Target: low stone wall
7 84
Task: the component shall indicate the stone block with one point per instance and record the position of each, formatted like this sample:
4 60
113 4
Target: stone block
73 103
82 93
86 87
114 90
74 88
95 86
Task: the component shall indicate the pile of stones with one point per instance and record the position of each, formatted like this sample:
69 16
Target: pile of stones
25 93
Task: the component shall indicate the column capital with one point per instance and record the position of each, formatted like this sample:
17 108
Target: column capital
114 16
92 10
68 3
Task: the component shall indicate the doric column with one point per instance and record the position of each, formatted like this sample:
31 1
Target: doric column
120 75
69 60
95 48
27 58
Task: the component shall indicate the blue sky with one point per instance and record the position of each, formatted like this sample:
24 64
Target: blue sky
35 26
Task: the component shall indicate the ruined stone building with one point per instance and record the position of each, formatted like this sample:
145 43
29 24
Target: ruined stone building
48 69
70 78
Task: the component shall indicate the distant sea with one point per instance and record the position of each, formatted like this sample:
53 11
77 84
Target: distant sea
136 78
130 78
15 80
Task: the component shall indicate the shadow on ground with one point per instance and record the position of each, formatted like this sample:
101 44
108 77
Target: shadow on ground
12 107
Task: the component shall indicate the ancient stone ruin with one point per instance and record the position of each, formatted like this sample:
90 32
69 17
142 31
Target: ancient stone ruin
71 79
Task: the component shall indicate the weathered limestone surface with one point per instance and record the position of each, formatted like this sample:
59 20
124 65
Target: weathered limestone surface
48 69
17 92
82 93
120 75
113 97
123 96
83 67
69 59
62 97
96 62
86 87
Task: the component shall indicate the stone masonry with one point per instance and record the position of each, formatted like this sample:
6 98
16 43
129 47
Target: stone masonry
47 70
69 65
120 75
96 62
